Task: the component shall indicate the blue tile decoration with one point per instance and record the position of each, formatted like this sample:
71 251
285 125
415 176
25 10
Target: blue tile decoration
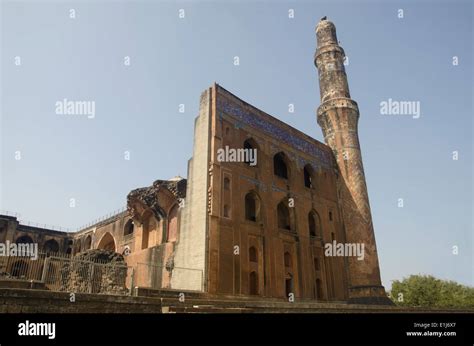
283 135
277 189
255 181
303 162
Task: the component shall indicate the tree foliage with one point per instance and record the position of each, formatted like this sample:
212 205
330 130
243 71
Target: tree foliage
428 291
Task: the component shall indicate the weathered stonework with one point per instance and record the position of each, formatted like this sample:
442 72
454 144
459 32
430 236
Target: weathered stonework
229 228
77 275
338 117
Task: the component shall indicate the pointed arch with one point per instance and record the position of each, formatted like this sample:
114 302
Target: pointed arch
252 206
308 175
88 242
314 224
253 254
107 242
51 246
251 144
25 239
283 216
280 165
129 227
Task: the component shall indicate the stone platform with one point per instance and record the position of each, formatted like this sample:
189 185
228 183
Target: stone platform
17 300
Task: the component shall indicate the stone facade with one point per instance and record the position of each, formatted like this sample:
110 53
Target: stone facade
256 255
237 228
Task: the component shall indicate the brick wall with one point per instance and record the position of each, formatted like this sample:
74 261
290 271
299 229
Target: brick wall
39 301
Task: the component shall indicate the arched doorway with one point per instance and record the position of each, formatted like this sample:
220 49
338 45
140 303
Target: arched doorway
280 167
107 242
129 228
51 246
253 283
88 242
24 240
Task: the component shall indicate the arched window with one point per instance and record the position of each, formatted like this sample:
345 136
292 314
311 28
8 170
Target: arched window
88 242
69 247
253 283
253 254
172 224
250 145
226 183
287 258
308 176
283 216
51 246
226 211
280 168
107 242
150 225
252 207
314 224
24 240
129 228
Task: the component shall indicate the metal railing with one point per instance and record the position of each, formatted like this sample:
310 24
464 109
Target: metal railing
61 272
102 218
26 268
64 273
23 222
87 277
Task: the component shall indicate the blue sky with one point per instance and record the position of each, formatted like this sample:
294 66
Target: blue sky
173 60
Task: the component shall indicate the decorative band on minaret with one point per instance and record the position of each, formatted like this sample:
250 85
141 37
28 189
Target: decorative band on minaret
338 116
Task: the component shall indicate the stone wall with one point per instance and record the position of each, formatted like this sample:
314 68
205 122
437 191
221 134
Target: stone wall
191 247
38 301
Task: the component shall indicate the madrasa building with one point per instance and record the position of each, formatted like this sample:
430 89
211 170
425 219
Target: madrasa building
256 224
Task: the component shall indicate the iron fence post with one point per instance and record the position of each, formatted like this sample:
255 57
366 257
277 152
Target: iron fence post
45 269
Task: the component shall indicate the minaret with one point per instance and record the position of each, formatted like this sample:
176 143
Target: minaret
338 116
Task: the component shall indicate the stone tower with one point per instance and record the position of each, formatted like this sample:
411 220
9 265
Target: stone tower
338 116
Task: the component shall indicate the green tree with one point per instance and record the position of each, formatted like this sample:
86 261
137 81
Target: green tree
428 291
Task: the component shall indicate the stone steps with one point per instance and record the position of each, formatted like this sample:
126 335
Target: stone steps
227 305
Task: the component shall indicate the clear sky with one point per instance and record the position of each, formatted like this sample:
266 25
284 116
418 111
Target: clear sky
172 60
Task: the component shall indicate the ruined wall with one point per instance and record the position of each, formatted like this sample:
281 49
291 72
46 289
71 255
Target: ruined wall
12 230
38 301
